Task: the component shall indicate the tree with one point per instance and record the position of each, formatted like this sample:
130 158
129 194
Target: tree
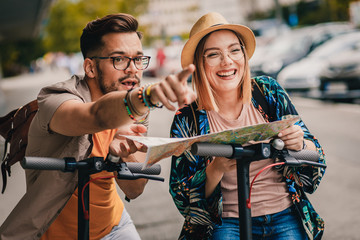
323 11
16 56
62 32
68 18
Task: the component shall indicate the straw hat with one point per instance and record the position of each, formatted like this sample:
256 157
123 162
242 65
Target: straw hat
209 23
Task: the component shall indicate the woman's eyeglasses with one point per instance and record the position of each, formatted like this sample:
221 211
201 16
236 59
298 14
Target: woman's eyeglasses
214 57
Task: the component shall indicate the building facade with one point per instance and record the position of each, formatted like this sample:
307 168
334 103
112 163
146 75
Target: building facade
176 17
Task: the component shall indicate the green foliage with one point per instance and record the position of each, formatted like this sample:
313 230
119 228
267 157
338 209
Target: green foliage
63 29
69 17
323 11
16 56
311 12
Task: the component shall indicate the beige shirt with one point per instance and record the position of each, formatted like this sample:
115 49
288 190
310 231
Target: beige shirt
47 192
269 194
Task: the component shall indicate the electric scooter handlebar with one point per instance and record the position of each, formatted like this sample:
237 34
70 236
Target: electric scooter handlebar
291 158
308 155
43 163
301 158
212 149
136 167
46 163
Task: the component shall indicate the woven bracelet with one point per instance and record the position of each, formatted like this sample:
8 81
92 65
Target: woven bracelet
148 96
144 96
129 105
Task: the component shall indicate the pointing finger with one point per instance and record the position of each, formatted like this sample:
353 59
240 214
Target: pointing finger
186 72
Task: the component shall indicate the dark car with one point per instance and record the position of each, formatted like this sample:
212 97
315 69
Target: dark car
340 79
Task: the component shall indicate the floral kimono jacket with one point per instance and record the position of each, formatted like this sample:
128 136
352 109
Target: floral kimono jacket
187 177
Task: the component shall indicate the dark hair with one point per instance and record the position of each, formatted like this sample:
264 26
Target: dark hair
91 38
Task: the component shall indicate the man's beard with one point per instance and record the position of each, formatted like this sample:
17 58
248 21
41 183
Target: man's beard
115 85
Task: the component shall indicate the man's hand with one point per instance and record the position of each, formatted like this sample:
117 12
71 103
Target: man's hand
130 151
175 89
123 147
293 137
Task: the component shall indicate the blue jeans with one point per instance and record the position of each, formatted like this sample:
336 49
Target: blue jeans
124 230
284 225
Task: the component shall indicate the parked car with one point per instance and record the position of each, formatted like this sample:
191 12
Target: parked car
267 29
304 74
283 50
293 46
340 79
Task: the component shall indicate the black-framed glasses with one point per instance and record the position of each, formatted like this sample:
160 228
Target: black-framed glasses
122 63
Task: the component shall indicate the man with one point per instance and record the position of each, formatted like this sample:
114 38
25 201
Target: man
83 117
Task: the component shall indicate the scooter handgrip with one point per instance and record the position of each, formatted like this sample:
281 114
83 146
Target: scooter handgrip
43 163
212 149
305 155
135 167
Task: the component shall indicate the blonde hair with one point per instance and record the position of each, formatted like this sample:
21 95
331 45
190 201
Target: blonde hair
206 95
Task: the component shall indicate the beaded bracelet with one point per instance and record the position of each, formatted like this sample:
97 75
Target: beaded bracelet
128 110
140 95
128 105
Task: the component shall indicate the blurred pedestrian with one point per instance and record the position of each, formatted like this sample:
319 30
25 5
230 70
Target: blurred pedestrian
160 62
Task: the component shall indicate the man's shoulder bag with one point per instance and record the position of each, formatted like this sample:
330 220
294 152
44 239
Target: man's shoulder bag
14 128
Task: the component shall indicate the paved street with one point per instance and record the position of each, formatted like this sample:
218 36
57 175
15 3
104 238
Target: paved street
156 217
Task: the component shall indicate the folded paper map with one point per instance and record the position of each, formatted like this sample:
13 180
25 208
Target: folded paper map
159 148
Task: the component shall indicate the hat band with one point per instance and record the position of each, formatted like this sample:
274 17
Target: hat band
217 24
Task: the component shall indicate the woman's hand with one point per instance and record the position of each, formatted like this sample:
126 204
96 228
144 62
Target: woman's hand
122 147
222 164
293 138
215 172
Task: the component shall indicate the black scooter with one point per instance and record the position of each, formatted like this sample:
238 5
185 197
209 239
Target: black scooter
244 156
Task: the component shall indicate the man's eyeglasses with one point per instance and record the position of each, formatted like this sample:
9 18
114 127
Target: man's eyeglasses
214 57
121 62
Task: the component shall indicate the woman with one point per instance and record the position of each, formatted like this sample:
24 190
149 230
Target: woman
204 188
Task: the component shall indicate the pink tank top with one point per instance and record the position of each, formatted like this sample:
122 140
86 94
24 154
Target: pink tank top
269 194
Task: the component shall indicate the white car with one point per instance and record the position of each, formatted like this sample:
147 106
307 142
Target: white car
340 79
304 74
292 46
